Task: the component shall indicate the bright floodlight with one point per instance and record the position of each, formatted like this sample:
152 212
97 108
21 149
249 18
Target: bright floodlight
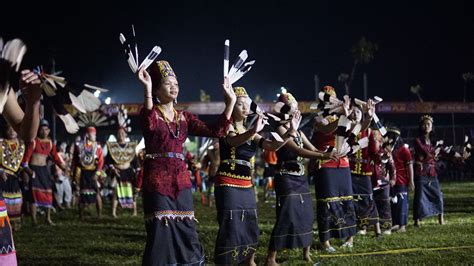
97 93
283 90
108 100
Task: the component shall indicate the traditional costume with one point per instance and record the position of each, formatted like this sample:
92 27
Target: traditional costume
167 198
236 205
335 208
87 163
12 152
122 157
294 206
42 183
399 193
361 172
428 196
383 171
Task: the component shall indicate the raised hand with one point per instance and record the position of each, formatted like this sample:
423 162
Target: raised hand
259 124
370 108
229 94
347 105
145 79
296 120
30 86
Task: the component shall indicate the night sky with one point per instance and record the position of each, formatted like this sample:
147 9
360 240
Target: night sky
420 42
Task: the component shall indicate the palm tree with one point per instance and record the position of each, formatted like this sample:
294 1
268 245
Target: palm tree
363 53
204 97
416 89
344 78
468 77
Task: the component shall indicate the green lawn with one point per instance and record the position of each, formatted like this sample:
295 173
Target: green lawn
121 241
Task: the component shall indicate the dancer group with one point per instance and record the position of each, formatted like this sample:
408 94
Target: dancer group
362 171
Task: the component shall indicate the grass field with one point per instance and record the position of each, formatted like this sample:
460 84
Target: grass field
121 241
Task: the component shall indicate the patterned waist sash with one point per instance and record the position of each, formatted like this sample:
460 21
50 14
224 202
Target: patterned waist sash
237 161
176 155
287 167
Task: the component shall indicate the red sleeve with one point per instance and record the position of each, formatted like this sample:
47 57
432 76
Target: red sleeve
100 158
149 119
406 154
373 145
54 153
197 127
422 148
28 152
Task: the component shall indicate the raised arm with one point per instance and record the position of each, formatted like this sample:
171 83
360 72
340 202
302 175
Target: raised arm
310 153
145 80
26 123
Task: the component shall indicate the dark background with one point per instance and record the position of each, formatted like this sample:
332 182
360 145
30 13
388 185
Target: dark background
420 42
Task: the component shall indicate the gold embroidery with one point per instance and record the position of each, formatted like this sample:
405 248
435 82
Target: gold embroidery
232 185
241 177
122 155
334 199
11 158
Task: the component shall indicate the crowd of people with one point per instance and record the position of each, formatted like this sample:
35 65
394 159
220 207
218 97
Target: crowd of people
362 172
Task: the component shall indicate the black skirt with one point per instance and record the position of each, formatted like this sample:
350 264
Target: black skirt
428 197
400 207
364 204
42 187
171 237
237 238
88 187
294 212
382 200
335 209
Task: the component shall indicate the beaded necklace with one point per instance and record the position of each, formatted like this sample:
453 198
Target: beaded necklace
176 118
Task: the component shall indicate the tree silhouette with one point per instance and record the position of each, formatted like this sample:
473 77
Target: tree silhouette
416 89
363 52
467 77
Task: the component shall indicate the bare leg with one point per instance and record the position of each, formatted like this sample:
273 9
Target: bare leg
417 223
135 208
441 219
377 229
114 206
33 214
350 240
271 258
306 254
326 244
48 217
99 206
251 260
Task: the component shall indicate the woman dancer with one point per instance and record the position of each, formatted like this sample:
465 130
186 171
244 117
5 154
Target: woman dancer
167 198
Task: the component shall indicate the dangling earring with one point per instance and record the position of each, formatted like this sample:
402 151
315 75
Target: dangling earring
156 100
175 101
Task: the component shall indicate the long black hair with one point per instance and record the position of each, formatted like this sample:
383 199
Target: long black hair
421 134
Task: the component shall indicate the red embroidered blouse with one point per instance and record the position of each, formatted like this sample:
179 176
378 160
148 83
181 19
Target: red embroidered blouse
169 176
42 147
402 158
361 161
322 141
424 159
